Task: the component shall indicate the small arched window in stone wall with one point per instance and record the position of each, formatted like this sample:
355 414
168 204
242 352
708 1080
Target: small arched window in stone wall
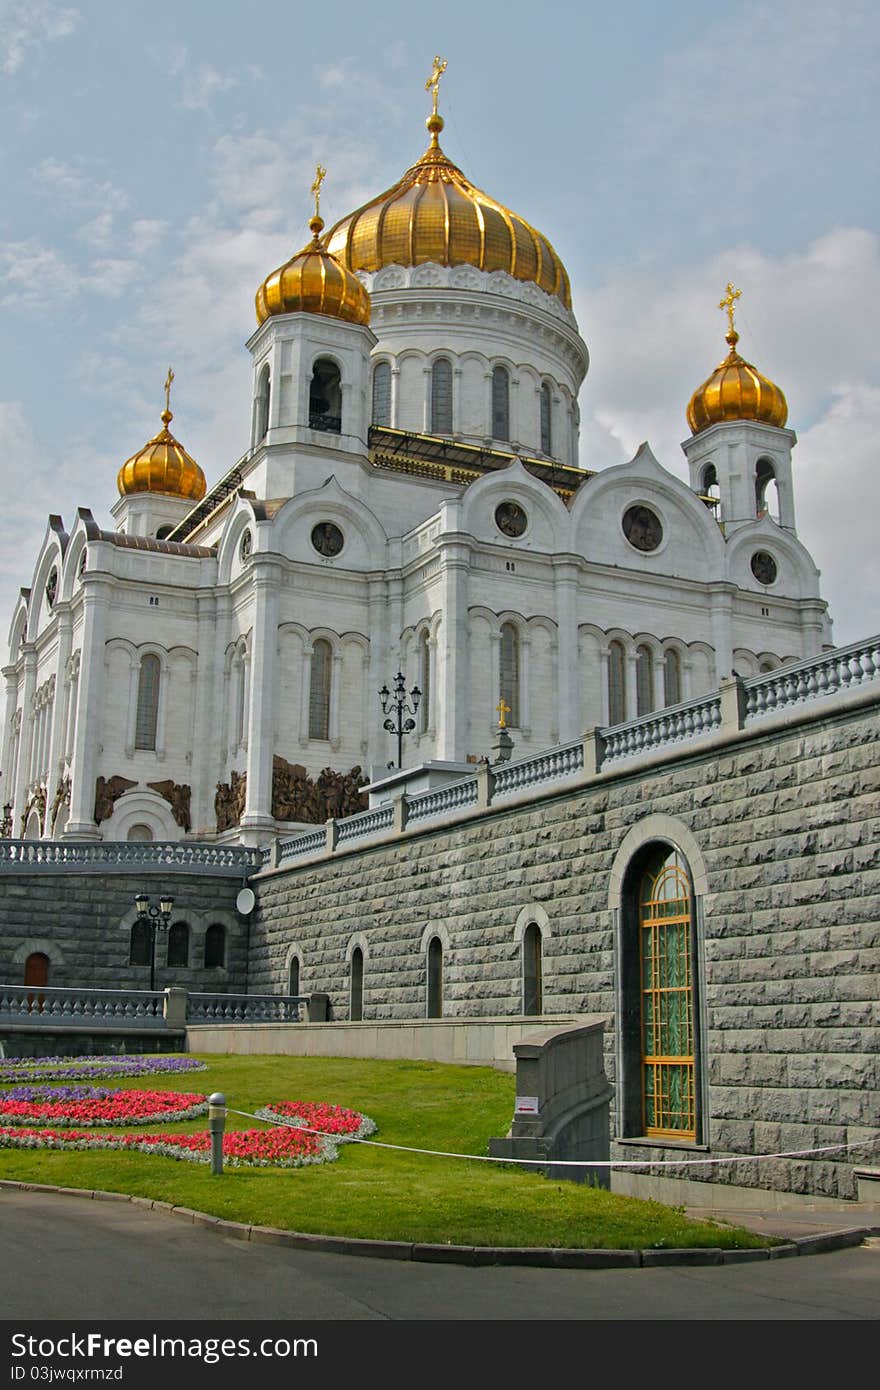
139 943
178 944
215 946
425 681
644 679
546 419
658 1020
261 405
382 394
509 672
147 702
532 968
36 969
616 683
441 397
319 690
139 834
709 486
325 397
766 500
500 403
293 975
672 677
356 1001
435 978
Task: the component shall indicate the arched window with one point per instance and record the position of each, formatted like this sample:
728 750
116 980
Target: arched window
215 946
532 970
261 405
672 677
500 403
441 396
435 978
709 483
319 690
325 397
509 671
240 695
164 532
616 683
178 944
139 834
644 679
147 702
546 419
139 943
356 1001
425 681
293 975
382 393
36 969
659 1015
766 499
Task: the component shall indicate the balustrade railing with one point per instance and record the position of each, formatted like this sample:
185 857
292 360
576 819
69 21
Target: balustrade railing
548 766
440 802
244 1008
124 854
652 731
812 679
364 823
44 1005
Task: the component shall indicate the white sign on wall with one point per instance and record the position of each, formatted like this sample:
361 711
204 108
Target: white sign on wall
527 1105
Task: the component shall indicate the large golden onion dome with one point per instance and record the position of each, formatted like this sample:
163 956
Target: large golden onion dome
314 282
163 465
736 390
434 213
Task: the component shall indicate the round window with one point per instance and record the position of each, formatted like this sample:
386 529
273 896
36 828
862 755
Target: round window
245 547
327 539
510 519
642 528
764 567
52 588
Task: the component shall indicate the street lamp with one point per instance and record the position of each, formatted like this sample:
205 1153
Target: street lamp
395 701
157 919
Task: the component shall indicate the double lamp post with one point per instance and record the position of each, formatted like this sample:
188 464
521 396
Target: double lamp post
157 919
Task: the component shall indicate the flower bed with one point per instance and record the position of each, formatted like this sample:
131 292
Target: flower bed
88 1068
332 1120
93 1105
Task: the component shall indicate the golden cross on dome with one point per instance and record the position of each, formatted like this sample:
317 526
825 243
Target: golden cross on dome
320 176
728 302
433 82
503 709
168 380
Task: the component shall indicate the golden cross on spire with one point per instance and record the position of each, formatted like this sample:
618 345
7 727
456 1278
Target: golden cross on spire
168 380
503 709
320 176
433 82
728 302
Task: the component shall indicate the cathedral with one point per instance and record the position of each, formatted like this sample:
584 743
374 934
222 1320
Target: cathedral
413 501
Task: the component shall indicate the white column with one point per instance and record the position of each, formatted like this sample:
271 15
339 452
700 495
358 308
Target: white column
377 611
305 693
567 673
658 666
26 734
395 391
494 683
603 688
207 715
96 603
525 686
261 714
7 786
452 684
59 712
335 696
632 703
722 615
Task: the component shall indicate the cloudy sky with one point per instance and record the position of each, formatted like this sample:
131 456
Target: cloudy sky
156 160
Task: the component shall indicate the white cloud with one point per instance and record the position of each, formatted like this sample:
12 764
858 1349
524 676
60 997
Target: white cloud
26 27
30 272
196 84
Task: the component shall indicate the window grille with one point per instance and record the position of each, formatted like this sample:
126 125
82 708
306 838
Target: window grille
510 672
382 394
147 703
667 999
319 690
441 397
500 403
425 681
616 683
546 420
644 680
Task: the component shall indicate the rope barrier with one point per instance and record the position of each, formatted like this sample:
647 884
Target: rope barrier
571 1162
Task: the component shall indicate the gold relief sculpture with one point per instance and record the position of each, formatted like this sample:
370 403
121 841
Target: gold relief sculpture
37 802
229 801
61 798
107 792
178 796
297 797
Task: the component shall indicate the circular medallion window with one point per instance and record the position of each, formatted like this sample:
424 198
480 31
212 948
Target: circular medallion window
764 567
245 547
510 519
327 539
642 528
52 588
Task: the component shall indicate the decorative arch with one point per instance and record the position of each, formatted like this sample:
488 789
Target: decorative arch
293 968
663 828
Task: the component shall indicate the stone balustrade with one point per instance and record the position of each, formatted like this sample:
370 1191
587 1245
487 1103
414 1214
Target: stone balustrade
125 855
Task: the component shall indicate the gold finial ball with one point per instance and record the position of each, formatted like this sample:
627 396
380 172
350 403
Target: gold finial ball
435 123
316 225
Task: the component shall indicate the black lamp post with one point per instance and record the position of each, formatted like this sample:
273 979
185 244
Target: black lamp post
157 919
395 702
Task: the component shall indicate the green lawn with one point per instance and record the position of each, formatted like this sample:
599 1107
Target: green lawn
372 1192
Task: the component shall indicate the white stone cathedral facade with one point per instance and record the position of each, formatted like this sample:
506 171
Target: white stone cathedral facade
412 500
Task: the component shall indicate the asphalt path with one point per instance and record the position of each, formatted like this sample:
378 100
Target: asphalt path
69 1258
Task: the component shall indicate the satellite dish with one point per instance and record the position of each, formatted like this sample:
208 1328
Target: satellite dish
245 901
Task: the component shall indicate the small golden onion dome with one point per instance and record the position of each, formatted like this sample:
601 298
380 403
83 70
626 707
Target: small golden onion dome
314 282
736 391
163 465
434 213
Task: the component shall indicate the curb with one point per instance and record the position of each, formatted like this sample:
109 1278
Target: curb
473 1255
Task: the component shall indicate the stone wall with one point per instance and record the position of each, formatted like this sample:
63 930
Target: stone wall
781 831
82 921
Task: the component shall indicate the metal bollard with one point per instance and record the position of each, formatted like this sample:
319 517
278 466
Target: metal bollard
217 1125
